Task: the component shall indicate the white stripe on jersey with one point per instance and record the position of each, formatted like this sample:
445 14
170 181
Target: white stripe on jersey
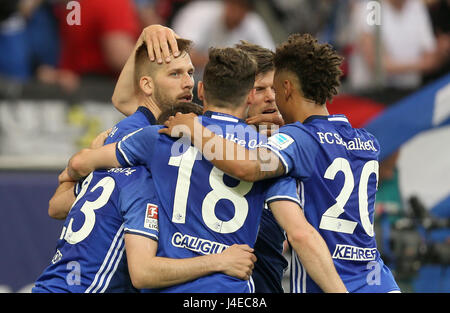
225 118
298 275
107 260
123 153
301 193
140 232
251 285
268 146
123 139
115 266
284 198
338 119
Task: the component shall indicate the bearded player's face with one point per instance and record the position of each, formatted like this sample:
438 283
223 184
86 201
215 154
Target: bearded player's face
174 82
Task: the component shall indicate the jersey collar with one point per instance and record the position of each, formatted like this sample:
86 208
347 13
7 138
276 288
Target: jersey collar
148 114
223 117
331 118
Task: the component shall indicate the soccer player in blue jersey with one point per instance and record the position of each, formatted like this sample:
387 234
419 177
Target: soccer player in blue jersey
335 164
146 270
271 263
155 87
206 214
114 210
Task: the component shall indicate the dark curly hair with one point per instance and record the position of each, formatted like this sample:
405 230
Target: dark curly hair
317 66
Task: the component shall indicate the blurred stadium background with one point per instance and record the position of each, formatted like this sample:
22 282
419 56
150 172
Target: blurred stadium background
59 61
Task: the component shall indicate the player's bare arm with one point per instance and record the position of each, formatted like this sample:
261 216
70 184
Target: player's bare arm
62 200
309 245
235 160
150 271
158 39
87 160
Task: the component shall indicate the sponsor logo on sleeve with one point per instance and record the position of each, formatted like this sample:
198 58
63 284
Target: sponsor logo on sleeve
280 141
151 217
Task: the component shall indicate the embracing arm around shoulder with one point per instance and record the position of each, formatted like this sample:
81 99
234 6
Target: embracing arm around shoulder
309 245
230 157
150 271
87 160
61 201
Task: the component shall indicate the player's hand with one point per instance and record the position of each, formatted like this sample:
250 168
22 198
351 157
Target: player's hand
158 39
267 123
238 261
266 119
180 125
99 141
64 177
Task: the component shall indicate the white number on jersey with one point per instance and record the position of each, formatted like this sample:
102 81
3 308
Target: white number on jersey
107 184
219 191
330 219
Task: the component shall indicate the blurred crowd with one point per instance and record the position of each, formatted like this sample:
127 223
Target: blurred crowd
397 44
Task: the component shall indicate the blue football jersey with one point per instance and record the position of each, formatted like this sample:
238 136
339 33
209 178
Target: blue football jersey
337 169
202 210
271 263
90 256
141 118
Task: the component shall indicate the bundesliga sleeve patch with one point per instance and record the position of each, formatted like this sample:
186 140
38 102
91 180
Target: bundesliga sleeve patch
151 217
280 141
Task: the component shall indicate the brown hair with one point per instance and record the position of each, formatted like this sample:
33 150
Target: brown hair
263 57
228 77
317 66
144 67
188 107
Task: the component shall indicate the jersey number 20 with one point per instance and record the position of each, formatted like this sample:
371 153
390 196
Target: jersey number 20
330 219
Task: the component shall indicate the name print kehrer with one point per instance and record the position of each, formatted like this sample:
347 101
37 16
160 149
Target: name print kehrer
354 144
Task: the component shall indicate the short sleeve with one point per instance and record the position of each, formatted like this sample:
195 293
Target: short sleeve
139 205
137 147
284 188
295 148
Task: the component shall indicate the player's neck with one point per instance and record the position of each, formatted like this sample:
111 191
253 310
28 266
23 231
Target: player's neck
151 105
309 108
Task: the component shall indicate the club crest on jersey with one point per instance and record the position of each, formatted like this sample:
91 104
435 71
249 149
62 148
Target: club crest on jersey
151 217
57 256
280 141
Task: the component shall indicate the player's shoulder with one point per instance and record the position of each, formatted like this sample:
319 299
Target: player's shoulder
295 129
289 134
137 120
151 130
230 127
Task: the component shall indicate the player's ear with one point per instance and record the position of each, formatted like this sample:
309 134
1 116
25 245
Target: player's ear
251 96
200 91
287 88
146 85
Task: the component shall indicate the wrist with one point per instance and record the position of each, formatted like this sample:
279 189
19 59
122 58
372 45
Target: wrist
217 264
